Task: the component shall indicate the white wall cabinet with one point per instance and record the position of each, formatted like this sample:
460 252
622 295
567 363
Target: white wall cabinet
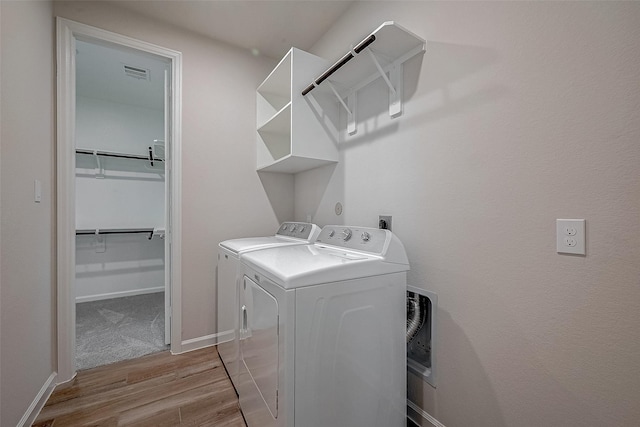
295 133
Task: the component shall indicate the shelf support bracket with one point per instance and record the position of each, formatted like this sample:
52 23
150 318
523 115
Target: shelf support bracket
350 108
99 168
381 71
351 118
395 98
395 90
335 92
99 242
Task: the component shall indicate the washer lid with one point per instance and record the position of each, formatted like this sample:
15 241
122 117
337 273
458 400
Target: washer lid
256 243
289 233
304 265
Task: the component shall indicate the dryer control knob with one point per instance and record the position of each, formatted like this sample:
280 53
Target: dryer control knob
293 228
366 237
346 234
332 233
302 229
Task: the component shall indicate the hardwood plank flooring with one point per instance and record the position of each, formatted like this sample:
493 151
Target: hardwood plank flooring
190 389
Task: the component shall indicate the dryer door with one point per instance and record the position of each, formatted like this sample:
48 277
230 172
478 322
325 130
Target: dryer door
259 349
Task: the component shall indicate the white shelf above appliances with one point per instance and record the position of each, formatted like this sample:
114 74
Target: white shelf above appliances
292 136
385 50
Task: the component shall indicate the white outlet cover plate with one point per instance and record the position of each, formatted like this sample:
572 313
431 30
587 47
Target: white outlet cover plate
570 236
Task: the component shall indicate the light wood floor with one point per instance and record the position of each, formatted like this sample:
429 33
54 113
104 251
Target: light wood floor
190 389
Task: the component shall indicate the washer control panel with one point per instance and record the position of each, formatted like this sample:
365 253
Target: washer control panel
371 240
299 230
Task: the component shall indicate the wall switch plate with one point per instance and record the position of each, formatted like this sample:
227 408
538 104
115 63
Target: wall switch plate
570 236
37 191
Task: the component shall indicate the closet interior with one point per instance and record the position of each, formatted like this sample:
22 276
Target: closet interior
121 288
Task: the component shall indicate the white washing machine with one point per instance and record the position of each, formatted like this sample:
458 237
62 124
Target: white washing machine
323 329
228 308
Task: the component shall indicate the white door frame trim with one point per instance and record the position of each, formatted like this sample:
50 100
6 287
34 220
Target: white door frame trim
67 33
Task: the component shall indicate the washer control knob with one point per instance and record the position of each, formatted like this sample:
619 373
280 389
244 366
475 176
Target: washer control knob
302 229
293 228
346 234
332 233
366 237
284 227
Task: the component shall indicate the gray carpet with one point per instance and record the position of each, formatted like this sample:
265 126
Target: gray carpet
112 330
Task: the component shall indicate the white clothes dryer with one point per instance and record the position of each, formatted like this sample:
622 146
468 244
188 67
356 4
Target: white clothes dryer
323 329
228 308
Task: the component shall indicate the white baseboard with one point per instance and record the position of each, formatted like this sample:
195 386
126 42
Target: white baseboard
225 336
121 294
420 416
38 403
205 341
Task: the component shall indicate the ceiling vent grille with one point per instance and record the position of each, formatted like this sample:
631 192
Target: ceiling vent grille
136 73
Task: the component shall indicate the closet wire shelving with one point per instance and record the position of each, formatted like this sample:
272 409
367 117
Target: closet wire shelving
150 157
104 231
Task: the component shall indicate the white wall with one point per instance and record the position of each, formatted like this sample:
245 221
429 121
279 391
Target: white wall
0 209
118 266
127 194
518 114
27 246
115 126
223 197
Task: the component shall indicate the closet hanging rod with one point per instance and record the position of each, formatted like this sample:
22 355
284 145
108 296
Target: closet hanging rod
114 231
97 232
119 155
340 63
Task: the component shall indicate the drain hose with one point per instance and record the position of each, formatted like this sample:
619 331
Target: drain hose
415 316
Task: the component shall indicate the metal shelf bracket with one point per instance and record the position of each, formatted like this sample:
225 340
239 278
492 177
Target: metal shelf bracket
99 167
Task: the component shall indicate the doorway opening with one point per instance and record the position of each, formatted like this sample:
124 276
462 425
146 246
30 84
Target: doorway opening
118 169
120 173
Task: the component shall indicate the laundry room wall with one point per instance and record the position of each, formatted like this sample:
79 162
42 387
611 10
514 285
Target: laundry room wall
222 195
27 269
518 114
108 125
114 266
123 194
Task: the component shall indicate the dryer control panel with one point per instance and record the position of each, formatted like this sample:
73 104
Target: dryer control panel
299 230
372 240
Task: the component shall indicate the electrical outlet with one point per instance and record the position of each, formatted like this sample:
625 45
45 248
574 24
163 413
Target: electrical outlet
570 236
384 222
